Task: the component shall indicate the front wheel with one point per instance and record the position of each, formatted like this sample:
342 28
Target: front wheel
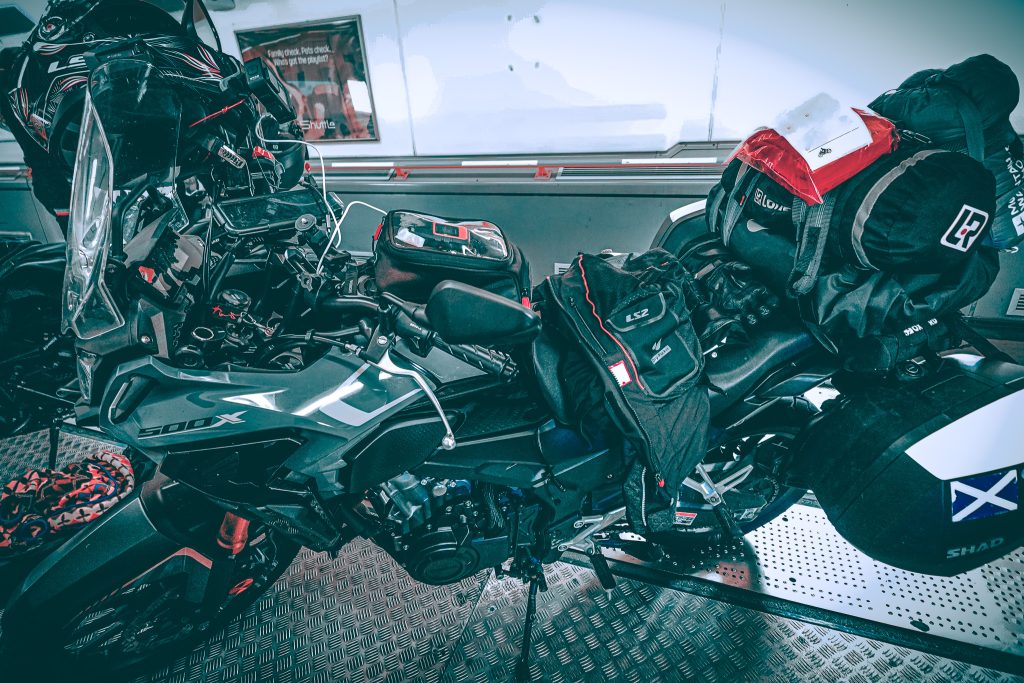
135 622
750 464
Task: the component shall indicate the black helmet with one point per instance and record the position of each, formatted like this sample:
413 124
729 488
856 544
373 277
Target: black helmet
47 86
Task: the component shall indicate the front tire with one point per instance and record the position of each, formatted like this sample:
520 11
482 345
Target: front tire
132 622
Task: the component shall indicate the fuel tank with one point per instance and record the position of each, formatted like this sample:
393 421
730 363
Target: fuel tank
925 474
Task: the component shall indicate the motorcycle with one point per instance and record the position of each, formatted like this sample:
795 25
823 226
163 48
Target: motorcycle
272 398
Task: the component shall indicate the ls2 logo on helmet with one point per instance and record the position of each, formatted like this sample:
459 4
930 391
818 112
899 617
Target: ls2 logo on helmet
965 229
73 62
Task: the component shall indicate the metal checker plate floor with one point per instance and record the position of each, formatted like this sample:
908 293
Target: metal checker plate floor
359 617
801 557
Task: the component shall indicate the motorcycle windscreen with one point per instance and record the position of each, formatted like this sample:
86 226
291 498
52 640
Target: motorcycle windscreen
196 21
129 140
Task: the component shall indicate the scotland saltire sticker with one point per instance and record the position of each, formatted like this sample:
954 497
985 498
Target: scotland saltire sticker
984 495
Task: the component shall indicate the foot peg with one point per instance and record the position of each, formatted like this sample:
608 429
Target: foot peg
713 496
604 573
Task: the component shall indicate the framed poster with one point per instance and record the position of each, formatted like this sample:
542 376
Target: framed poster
323 66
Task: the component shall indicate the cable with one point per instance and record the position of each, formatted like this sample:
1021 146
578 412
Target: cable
323 166
336 231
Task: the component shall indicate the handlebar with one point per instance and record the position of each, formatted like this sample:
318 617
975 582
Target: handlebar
490 361
411 324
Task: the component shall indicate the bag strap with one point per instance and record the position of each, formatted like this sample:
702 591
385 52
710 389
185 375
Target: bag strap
713 208
969 114
746 178
979 341
812 227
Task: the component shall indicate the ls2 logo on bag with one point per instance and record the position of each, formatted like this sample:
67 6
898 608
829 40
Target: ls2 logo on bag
965 229
638 315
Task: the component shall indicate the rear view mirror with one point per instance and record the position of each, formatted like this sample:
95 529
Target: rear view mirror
463 314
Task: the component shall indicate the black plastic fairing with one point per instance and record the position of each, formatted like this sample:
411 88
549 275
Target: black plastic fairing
237 469
394 448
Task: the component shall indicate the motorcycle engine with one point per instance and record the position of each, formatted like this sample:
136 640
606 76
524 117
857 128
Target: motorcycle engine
442 531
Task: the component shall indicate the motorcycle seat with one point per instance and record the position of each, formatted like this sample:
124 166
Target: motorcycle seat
735 368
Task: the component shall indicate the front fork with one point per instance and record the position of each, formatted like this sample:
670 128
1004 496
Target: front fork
232 537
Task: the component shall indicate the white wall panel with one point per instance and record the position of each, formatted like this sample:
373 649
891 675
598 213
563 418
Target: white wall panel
551 76
527 77
776 54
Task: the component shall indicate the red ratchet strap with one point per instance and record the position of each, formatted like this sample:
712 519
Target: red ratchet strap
215 114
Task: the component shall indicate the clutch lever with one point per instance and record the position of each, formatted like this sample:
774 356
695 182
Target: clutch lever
387 365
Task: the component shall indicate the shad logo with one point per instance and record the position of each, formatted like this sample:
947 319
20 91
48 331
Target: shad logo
196 425
954 553
965 229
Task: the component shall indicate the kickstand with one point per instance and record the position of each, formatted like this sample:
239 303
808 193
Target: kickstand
54 444
523 668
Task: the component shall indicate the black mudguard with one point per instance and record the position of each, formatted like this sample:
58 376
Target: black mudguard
124 544
31 283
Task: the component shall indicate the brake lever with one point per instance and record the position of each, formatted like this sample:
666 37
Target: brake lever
448 441
387 365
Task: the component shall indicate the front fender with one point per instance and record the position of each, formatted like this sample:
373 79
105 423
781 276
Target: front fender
124 543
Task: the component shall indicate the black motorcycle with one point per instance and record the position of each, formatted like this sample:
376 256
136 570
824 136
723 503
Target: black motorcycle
272 398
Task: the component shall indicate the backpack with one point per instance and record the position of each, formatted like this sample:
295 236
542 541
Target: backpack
629 318
966 108
916 210
879 270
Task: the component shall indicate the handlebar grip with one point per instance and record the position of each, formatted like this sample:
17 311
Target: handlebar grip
488 360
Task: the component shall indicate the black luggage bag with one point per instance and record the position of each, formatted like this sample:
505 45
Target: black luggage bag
629 317
966 108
